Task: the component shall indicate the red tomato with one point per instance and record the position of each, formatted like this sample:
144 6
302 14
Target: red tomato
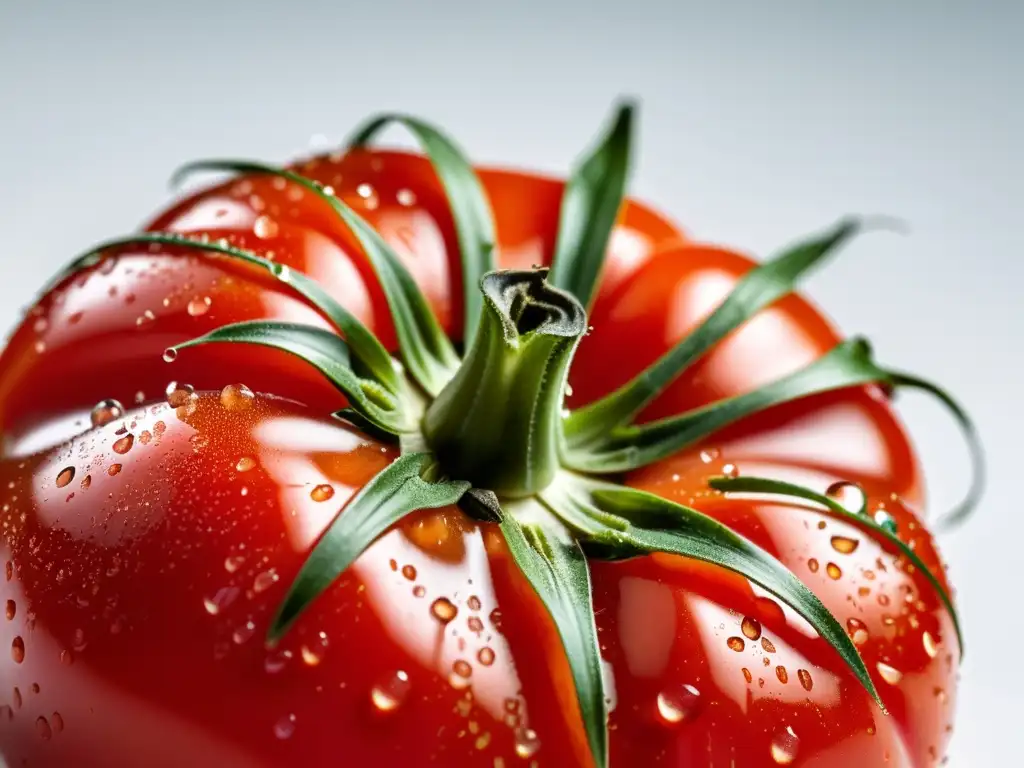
146 551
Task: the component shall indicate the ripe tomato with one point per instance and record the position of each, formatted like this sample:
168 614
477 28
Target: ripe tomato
148 545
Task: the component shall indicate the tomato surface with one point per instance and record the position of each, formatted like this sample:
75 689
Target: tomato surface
146 550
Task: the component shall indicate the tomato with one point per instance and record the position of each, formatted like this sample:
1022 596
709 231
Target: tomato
146 551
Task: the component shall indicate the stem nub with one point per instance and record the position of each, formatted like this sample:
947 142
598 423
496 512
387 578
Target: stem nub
497 423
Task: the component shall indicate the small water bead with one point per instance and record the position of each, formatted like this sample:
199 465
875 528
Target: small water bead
145 437
321 492
178 395
527 743
198 441
930 646
285 727
65 476
86 482
812 565
462 668
736 644
409 572
124 444
485 656
834 571
220 600
365 191
844 545
419 591
782 674
805 679
243 633
858 631
106 411
276 662
18 650
170 355
43 728
849 495
199 306
245 464
751 628
785 746
265 580
475 624
390 691
747 676
113 469
265 228
443 610
473 603
16 697
679 704
12 609
767 645
406 197
890 674
886 521
57 722
313 652
730 470
236 397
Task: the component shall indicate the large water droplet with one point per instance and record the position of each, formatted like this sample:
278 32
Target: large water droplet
890 674
321 492
285 727
844 544
199 306
178 395
106 411
236 397
244 632
43 728
12 609
849 496
124 444
834 571
930 646
785 746
245 464
443 610
751 628
18 650
409 572
265 580
736 644
265 227
390 691
858 631
485 656
678 704
220 600
805 679
527 743
65 476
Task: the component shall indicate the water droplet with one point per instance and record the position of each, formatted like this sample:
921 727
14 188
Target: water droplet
475 624
285 727
858 631
170 355
179 395
812 565
236 397
365 191
473 603
12 609
409 572
485 656
43 728
419 591
834 571
9 570
406 197
221 599
265 580
86 482
18 650
768 645
65 476
751 628
849 495
198 441
265 227
930 646
679 704
462 668
313 652
245 464
444 610
113 469
321 492
785 746
890 674
527 743
844 545
124 444
276 662
736 644
730 470
805 679
106 411
57 722
886 521
243 633
747 676
782 674
390 691
199 306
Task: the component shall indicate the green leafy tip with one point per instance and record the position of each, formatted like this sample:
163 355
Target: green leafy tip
590 206
759 485
391 495
467 201
426 351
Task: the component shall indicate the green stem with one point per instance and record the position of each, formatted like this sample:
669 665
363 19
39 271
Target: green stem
497 423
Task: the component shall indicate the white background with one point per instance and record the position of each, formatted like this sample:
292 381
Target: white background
761 121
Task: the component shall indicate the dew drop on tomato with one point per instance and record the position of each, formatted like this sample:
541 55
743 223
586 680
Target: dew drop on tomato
43 728
285 727
844 545
236 397
849 495
242 634
18 650
736 644
178 394
443 610
679 704
233 562
834 571
890 674
389 692
65 476
785 746
12 609
199 306
527 743
265 580
124 444
322 492
751 628
106 411
930 646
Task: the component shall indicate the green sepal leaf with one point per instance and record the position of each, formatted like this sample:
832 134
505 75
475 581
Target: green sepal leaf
329 354
759 288
426 350
761 485
471 211
630 447
966 507
616 521
590 206
553 563
395 492
365 347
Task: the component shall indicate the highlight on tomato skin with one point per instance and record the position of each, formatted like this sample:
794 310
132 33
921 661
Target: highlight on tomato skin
158 508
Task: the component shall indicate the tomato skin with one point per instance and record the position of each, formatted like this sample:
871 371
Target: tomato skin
112 586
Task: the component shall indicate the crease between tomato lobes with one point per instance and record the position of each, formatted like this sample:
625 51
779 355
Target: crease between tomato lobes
612 537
